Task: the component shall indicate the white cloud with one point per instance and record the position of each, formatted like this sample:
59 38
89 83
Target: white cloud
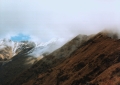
46 19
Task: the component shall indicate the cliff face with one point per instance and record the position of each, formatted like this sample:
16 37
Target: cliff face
93 62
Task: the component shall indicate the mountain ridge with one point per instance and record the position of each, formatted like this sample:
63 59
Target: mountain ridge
82 66
13 64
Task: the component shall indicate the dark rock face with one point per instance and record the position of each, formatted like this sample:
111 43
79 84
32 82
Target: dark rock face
11 66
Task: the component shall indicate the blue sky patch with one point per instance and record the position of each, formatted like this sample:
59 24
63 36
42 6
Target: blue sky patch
20 37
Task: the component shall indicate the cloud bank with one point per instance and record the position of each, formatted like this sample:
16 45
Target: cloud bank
43 20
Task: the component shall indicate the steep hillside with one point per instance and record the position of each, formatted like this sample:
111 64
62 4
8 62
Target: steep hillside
59 55
13 58
9 69
95 62
16 57
110 76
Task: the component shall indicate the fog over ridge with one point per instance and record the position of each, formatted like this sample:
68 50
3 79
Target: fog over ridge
44 20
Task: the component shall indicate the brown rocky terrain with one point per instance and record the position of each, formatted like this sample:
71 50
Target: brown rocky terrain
62 53
95 62
82 55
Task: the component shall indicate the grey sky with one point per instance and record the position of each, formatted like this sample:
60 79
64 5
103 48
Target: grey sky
47 19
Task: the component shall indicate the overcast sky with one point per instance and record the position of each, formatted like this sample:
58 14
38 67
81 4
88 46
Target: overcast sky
46 19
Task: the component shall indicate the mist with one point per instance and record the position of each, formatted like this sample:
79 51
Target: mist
65 19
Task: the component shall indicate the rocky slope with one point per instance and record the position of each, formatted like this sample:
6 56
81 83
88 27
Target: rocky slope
15 64
16 57
9 48
95 61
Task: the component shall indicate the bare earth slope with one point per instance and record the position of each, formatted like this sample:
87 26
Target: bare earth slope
95 62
